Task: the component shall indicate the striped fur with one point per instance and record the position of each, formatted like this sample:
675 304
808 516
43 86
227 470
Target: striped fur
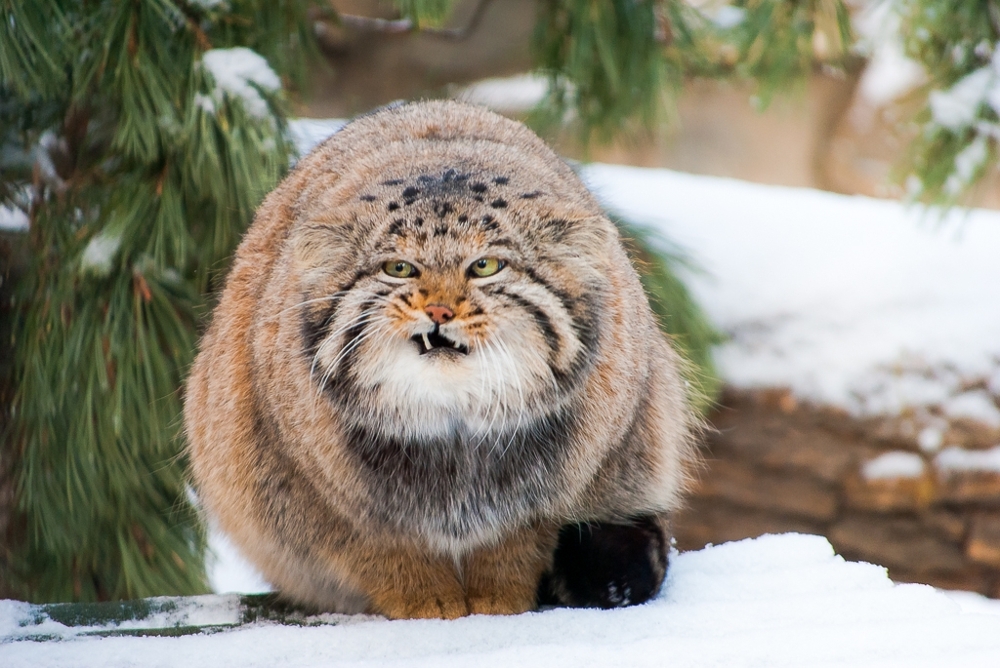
361 475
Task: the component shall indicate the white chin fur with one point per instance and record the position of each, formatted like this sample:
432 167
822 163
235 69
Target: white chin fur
430 395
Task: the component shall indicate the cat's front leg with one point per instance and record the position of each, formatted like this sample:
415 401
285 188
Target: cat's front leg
502 579
403 583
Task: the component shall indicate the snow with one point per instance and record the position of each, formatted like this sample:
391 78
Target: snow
962 107
306 133
48 143
728 17
972 602
851 301
893 465
100 252
774 601
889 74
855 302
930 439
19 621
228 571
957 107
13 219
957 460
969 161
507 94
241 73
976 405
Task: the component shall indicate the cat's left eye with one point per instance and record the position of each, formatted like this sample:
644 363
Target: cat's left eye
486 266
399 269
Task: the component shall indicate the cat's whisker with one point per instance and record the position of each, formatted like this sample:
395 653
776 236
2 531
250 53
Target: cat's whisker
481 372
512 365
488 391
307 302
501 405
358 340
363 318
491 386
366 317
355 343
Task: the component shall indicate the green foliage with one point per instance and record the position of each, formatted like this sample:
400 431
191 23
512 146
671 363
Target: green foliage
958 42
139 172
779 42
616 65
425 13
603 62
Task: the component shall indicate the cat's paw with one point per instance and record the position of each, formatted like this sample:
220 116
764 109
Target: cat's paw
433 607
607 565
500 604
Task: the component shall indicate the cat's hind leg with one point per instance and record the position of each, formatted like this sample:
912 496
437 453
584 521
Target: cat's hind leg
607 564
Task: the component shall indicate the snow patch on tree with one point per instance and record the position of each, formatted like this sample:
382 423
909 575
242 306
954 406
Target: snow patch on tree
100 252
13 219
241 73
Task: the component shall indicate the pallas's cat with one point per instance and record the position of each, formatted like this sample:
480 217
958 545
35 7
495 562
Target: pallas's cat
433 385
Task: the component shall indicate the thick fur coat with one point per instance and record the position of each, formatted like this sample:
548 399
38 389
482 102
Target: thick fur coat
430 355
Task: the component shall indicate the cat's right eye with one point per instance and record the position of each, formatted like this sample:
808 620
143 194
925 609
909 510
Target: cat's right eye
399 269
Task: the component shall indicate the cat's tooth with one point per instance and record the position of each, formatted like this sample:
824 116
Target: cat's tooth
427 342
457 345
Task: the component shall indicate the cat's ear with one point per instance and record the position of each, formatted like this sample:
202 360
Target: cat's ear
587 233
586 243
316 252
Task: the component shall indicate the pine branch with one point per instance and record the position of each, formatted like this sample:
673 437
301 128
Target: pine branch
144 170
959 140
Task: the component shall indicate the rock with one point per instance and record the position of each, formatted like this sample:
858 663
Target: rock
970 579
950 525
984 540
775 446
706 521
900 543
743 485
969 487
889 494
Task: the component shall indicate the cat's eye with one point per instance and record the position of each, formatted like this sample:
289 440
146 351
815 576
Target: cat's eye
486 266
399 269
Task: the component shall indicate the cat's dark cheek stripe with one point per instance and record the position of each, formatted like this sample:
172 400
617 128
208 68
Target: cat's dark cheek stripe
541 319
315 329
585 326
353 334
568 302
340 379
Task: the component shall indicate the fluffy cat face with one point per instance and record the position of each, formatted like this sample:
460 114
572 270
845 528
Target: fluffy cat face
449 299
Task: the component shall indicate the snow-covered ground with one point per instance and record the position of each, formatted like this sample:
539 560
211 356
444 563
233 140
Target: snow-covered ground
772 601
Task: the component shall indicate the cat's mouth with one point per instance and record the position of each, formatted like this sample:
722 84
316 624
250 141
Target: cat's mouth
436 343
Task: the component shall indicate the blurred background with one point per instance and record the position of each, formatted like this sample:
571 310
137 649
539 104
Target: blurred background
135 142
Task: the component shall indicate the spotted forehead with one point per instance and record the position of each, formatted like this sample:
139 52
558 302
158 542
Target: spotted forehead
439 209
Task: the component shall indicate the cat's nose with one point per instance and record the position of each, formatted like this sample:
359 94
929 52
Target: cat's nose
438 313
